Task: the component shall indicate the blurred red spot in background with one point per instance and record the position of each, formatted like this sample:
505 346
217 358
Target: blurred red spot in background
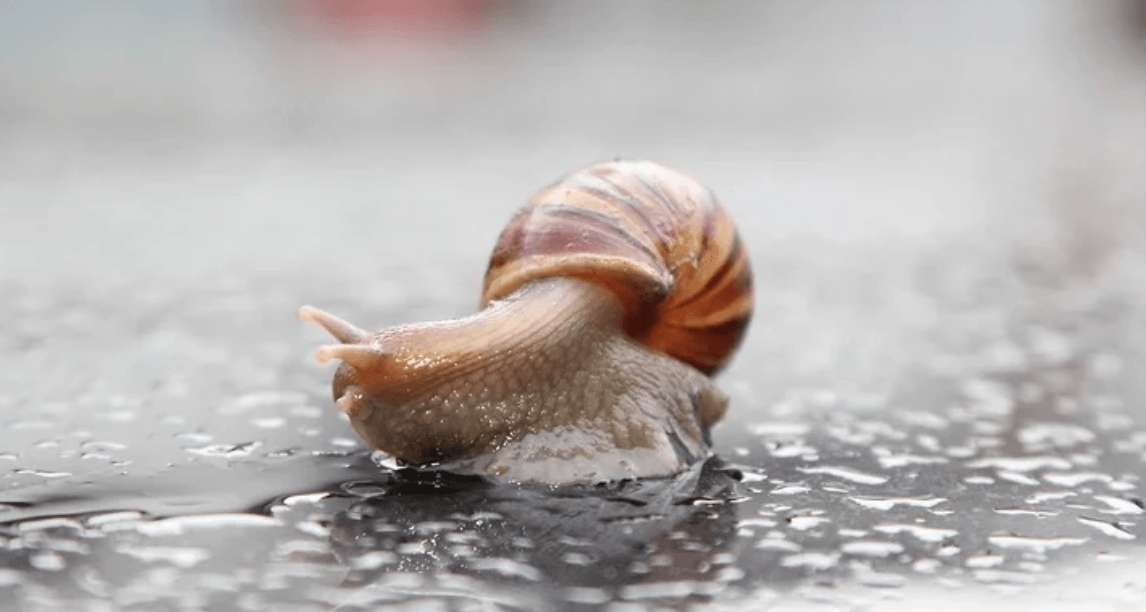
419 17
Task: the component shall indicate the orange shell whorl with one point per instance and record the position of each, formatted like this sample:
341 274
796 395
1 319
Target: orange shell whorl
656 237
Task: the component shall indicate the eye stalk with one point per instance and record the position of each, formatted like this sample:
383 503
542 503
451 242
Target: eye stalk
356 355
342 330
354 350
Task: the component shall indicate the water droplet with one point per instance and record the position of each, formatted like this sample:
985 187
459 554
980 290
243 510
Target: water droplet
47 561
992 576
179 556
658 590
268 422
313 528
1058 435
777 543
1032 543
372 560
896 461
790 490
55 522
180 524
881 580
780 430
10 577
306 498
887 503
1025 512
926 566
1113 529
920 532
1017 478
984 561
41 473
577 558
845 473
1021 464
752 475
106 519
1073 479
194 437
804 523
871 548
1046 496
507 567
787 451
1119 506
230 451
811 560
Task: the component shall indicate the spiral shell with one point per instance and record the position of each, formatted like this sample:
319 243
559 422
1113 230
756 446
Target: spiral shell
655 237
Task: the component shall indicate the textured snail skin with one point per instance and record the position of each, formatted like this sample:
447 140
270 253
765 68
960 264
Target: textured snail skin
585 364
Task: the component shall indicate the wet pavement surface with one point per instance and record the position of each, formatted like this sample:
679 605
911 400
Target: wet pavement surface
939 404
975 436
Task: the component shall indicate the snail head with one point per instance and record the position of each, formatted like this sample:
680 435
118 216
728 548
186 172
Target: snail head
361 359
417 390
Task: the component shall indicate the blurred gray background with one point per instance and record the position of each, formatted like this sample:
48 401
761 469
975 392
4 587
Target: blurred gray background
187 142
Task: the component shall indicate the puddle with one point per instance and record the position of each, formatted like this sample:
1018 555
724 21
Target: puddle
384 536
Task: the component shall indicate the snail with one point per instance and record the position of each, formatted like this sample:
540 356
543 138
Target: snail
610 300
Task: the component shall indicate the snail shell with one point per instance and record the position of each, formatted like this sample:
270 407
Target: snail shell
610 299
653 236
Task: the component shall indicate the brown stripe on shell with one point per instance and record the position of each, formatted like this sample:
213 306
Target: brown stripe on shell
656 237
718 278
708 356
578 193
632 209
735 289
581 221
739 307
509 243
652 186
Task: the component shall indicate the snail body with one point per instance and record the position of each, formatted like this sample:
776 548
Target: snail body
610 300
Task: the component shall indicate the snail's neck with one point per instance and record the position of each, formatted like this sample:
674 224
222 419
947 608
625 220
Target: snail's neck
546 377
539 315
480 374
